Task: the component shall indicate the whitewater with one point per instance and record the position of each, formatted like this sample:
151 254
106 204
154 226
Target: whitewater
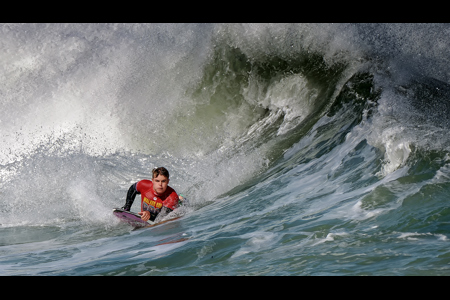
303 149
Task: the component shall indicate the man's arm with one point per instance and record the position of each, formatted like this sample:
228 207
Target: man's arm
131 195
171 202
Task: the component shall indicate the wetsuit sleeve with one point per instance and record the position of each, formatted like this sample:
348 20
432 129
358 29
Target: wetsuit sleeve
131 195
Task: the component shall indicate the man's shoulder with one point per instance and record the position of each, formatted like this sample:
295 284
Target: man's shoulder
144 184
170 190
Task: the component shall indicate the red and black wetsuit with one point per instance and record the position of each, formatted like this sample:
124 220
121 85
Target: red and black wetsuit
150 200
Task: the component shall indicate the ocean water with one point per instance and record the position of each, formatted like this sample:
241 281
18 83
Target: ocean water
303 149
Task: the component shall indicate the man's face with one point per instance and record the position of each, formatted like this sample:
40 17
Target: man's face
160 184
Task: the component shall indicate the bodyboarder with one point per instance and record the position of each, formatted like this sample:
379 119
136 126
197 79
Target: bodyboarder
156 195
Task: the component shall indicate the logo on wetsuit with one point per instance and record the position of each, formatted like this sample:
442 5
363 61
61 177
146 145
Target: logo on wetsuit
153 206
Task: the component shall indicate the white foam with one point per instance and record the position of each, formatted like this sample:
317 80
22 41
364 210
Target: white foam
415 236
256 242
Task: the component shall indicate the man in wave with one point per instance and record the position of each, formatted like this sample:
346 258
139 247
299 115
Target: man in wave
156 195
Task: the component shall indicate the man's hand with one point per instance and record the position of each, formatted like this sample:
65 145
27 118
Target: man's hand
145 215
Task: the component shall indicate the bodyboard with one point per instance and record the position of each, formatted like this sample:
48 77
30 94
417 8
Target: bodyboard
130 217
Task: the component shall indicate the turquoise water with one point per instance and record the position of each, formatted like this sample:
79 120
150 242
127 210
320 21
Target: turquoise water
304 149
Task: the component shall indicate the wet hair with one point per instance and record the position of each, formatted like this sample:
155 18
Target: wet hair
160 171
